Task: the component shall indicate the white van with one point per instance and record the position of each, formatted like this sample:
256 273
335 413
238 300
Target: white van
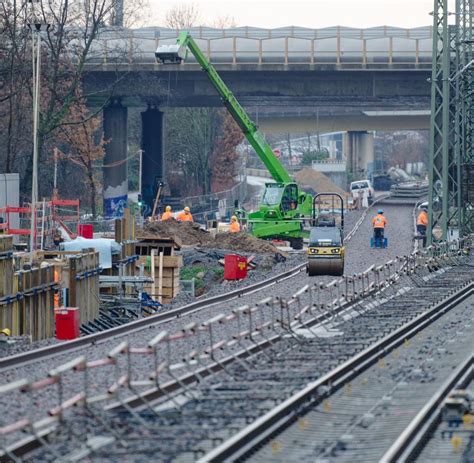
360 186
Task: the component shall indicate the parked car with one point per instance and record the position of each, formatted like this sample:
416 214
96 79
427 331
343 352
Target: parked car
360 186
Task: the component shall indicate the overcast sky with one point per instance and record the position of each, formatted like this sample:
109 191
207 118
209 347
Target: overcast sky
314 14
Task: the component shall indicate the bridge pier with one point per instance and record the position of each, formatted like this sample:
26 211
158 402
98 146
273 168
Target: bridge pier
152 155
115 159
359 151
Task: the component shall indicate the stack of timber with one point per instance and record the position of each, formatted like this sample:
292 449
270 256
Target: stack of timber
157 254
82 274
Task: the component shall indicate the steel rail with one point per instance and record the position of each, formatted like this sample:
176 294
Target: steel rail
285 414
175 386
411 442
137 325
24 358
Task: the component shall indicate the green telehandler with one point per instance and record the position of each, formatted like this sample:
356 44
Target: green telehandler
284 208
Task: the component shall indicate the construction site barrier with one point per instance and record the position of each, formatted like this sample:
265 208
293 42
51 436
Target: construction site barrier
27 296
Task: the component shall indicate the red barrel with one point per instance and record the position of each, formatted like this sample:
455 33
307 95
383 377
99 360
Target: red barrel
68 322
85 230
235 267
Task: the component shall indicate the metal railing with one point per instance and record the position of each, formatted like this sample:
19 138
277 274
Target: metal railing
341 46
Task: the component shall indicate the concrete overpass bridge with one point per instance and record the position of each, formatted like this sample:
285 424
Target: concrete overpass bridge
289 79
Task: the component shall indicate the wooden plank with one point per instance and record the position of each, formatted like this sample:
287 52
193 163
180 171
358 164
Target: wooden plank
170 281
169 292
162 239
72 282
160 276
170 272
127 224
153 285
35 322
15 307
173 261
118 231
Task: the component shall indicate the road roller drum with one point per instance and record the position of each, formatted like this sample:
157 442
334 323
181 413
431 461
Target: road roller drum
326 266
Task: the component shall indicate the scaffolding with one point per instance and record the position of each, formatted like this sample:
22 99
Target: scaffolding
49 216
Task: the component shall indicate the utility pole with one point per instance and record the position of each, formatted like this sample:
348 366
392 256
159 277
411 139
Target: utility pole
36 26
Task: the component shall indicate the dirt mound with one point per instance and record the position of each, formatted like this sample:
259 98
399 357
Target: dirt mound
244 242
191 234
317 181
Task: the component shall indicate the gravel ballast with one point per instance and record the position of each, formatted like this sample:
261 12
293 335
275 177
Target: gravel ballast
359 257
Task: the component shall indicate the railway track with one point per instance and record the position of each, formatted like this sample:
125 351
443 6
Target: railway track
443 429
154 321
211 400
357 410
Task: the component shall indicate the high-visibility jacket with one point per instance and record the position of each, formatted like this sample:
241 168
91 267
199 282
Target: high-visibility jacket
167 215
379 221
184 217
234 227
422 219
57 296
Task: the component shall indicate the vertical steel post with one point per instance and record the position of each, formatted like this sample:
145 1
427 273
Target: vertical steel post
451 169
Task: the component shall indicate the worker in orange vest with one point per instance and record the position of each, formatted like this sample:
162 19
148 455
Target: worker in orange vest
379 222
422 223
185 216
57 291
234 225
167 214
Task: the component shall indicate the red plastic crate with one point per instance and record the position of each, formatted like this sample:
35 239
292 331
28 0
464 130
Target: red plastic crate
235 267
68 322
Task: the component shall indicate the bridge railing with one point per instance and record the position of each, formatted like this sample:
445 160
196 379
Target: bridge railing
339 46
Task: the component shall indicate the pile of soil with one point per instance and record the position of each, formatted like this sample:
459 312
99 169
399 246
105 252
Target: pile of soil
244 242
317 181
191 234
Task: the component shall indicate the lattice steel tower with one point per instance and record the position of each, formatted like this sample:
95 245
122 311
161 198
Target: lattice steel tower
451 169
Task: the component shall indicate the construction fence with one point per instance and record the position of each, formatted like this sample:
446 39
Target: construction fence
217 205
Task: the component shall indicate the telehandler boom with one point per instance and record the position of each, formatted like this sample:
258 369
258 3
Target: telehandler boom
284 207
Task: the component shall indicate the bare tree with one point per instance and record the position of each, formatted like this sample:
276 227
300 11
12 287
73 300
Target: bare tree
190 141
224 22
83 146
183 16
70 45
14 82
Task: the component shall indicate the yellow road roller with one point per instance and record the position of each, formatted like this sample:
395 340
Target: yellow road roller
326 238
